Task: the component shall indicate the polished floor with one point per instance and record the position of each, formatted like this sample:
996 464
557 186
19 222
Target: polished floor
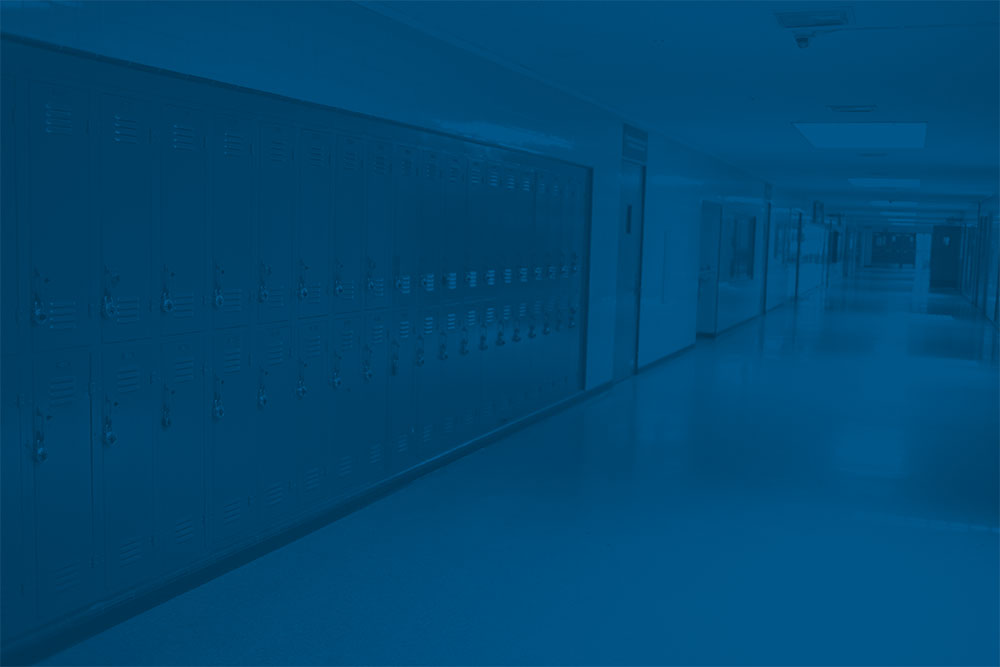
818 486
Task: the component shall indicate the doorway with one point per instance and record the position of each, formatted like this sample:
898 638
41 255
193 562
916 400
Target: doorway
629 285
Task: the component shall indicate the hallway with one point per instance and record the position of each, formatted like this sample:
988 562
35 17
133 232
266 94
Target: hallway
818 485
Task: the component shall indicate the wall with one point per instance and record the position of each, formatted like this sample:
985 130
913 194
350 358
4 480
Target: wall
782 250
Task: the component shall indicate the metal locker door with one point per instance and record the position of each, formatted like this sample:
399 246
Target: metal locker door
512 367
453 221
314 219
470 236
374 396
402 414
179 459
17 601
426 383
311 443
275 222
345 377
450 362
181 246
231 404
11 262
405 230
233 202
576 225
276 388
529 273
348 225
492 343
539 354
492 233
59 446
470 360
546 234
125 437
429 228
62 231
378 224
507 233
124 194
521 386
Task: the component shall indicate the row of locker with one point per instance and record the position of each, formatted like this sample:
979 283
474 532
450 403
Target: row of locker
200 442
136 219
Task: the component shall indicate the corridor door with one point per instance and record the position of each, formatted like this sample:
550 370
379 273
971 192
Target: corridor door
633 190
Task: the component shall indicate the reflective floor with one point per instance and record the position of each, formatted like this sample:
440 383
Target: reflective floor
817 486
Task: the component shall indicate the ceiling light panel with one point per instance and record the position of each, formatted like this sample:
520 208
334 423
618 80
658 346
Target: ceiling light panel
864 135
886 183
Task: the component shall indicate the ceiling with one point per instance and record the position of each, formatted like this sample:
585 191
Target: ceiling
728 79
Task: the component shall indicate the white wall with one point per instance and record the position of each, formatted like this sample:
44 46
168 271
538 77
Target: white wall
347 56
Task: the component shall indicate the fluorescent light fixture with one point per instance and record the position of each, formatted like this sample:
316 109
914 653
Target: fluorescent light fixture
902 220
886 183
864 135
888 202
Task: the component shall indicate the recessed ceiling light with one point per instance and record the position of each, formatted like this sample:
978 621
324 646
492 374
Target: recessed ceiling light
864 135
886 183
852 108
890 202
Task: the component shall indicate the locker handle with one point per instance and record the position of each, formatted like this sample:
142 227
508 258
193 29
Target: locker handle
394 366
303 292
166 303
165 420
109 308
218 410
261 398
419 361
301 389
532 333
443 352
263 294
109 436
517 336
41 453
338 288
220 300
335 379
38 313
464 349
367 370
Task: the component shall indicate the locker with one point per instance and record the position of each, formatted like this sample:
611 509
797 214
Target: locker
450 362
231 407
539 352
179 458
181 245
429 227
60 453
313 400
61 229
233 202
492 345
574 221
125 446
530 274
521 389
378 224
469 235
16 562
124 197
405 234
345 378
276 191
492 234
470 374
275 407
453 221
427 382
11 315
402 415
349 224
512 366
314 220
373 396
509 241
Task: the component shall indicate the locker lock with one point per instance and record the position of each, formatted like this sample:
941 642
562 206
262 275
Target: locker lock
482 342
371 284
335 379
263 294
532 333
419 359
219 299
108 435
500 340
218 410
38 314
40 452
443 351
165 420
166 303
261 398
517 335
303 291
366 370
338 288
109 308
464 347
301 389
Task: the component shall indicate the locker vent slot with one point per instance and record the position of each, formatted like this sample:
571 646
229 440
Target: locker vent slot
472 277
274 495
312 346
428 325
350 288
428 281
454 174
522 310
555 189
231 361
312 479
184 370
522 274
430 167
491 277
509 182
315 294
506 313
183 531
526 183
476 173
233 144
452 280
427 434
552 272
62 390
58 119
378 286
182 138
404 284
470 318
508 276
232 300
378 333
276 300
452 321
380 164
183 305
347 339
66 577
275 353
542 189
406 164
375 453
537 308
493 177
316 156
449 424
128 310
232 512
62 315
491 315
350 160
279 151
404 328
129 552
402 442
126 130
538 273
128 380
345 467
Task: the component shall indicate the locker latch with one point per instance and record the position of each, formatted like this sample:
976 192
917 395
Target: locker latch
166 303
301 389
165 420
218 410
109 307
219 300
464 346
338 288
517 335
546 329
38 314
366 370
303 290
572 318
335 379
500 340
263 294
443 351
40 452
532 333
418 359
108 434
261 397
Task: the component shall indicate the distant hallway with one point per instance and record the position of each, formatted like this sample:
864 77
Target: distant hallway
816 486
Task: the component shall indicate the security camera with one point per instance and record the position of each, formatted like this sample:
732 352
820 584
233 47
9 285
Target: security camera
802 41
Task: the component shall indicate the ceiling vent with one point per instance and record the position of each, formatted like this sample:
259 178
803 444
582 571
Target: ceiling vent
820 18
